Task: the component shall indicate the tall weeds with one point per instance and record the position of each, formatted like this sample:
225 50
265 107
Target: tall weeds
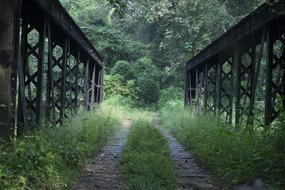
146 161
50 157
234 156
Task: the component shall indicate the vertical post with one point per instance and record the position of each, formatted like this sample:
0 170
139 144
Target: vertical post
186 98
77 80
9 40
268 91
237 85
40 73
101 85
206 87
22 125
231 93
86 86
63 81
253 76
214 90
22 114
218 85
190 89
197 89
50 104
93 86
98 88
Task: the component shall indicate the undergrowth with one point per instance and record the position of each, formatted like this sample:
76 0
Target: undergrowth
234 156
51 157
146 161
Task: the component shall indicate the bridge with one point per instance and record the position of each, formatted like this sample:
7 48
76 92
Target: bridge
241 75
48 67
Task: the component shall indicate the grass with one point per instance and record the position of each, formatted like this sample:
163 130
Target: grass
234 156
50 158
146 161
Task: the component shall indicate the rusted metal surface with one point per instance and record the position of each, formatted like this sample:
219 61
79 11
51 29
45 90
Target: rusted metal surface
43 49
242 74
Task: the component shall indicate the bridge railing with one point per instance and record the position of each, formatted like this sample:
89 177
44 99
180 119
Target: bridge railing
48 68
241 75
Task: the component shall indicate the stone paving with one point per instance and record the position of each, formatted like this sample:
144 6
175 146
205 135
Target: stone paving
189 174
102 171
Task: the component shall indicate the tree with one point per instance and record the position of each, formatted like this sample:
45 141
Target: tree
123 68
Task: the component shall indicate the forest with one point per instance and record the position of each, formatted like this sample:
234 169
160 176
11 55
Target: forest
144 135
147 43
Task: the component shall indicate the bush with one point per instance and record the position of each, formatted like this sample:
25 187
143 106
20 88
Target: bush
123 68
234 156
144 67
148 91
49 158
146 161
115 86
170 94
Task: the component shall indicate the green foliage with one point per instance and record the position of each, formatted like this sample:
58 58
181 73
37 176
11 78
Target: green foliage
235 156
146 161
123 91
170 94
157 36
148 78
148 90
123 68
49 158
139 83
145 67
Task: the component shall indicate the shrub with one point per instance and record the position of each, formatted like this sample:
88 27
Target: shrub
123 68
170 94
148 90
51 157
116 87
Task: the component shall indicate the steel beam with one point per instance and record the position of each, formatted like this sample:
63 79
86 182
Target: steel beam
250 24
63 20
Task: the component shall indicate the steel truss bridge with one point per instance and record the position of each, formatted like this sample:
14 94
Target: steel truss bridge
241 75
48 68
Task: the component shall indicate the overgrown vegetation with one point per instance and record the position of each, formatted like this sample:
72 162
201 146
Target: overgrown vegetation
234 156
145 49
146 161
51 157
